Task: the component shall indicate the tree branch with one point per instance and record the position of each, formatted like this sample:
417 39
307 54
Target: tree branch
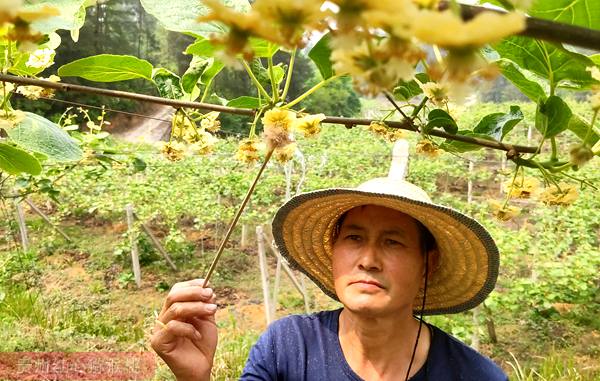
348 122
542 29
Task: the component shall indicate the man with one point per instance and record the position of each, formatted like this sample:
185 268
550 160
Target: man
386 252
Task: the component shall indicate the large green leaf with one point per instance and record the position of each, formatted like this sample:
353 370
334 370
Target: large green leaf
406 90
167 83
440 118
71 17
214 67
182 15
244 102
498 124
321 56
530 88
584 13
263 48
14 161
595 59
278 73
580 127
107 68
192 74
555 63
38 134
201 47
552 116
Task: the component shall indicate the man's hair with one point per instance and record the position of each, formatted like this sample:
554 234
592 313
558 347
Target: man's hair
426 239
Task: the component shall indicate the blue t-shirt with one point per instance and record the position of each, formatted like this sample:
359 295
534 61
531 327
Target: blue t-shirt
307 347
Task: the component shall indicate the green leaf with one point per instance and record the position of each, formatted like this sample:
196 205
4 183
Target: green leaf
459 147
440 118
14 161
107 68
584 13
406 91
278 73
38 134
497 125
167 83
182 15
580 127
528 87
201 47
244 102
595 59
320 54
211 71
260 72
559 66
192 74
552 116
71 17
263 48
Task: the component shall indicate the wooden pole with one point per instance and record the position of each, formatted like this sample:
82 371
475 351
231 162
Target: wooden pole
276 287
135 258
475 333
286 268
470 183
22 225
47 219
157 245
244 238
264 276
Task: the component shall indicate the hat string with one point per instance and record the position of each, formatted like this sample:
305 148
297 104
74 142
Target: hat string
412 357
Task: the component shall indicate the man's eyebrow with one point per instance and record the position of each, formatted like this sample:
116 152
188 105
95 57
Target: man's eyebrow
399 232
353 227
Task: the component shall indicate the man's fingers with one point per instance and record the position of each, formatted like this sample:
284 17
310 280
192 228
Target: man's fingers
188 310
189 283
188 294
173 329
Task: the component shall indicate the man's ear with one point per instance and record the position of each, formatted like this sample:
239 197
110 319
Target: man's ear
434 261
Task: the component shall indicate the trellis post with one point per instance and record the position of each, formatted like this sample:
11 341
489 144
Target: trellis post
135 259
22 226
264 276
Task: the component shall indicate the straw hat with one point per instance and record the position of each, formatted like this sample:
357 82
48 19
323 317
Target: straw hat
468 263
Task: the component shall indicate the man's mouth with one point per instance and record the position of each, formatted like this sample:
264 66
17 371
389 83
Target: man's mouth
367 282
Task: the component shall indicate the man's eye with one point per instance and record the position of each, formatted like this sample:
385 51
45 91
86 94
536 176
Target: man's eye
392 242
353 237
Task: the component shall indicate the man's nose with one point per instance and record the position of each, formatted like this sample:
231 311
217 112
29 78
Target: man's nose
369 258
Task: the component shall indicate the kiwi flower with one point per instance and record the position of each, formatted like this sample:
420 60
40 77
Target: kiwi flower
523 189
436 92
309 125
278 125
290 19
451 31
503 212
248 151
210 122
427 148
565 195
173 150
242 26
285 154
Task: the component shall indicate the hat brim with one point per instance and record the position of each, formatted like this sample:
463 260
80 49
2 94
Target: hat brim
468 264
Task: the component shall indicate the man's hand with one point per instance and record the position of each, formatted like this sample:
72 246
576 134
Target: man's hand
185 334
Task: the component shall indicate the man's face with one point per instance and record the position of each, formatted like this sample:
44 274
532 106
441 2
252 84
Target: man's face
377 261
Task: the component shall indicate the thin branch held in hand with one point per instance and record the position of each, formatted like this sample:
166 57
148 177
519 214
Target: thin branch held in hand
213 265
